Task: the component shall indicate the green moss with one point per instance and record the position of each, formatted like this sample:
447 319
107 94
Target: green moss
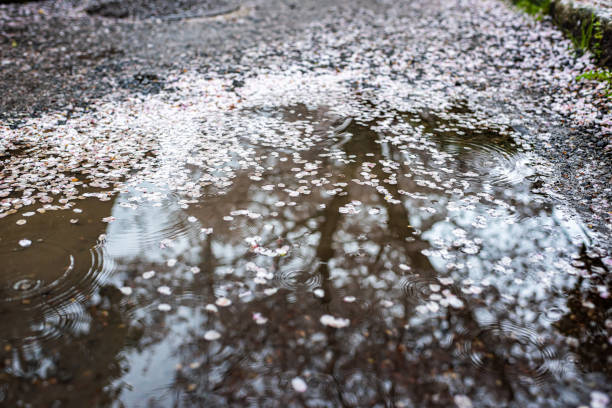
597 75
537 8
601 75
588 36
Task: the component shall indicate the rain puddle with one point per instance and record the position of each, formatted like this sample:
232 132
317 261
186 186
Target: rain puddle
411 257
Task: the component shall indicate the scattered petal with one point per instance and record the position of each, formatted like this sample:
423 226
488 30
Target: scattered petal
462 401
599 399
223 302
25 243
336 322
164 307
212 335
299 384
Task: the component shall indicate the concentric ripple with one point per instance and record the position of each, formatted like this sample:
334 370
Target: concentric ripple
24 277
481 152
417 288
46 298
498 166
297 279
507 349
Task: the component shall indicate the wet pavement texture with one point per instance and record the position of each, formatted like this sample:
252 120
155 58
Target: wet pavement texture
159 9
350 213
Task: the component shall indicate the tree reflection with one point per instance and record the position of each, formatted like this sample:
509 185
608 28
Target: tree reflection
391 354
356 228
587 323
63 335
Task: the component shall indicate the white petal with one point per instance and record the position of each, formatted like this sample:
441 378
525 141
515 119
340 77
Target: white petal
25 243
223 302
212 335
299 385
164 307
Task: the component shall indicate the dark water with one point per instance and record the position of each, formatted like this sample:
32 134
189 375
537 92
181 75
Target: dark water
410 259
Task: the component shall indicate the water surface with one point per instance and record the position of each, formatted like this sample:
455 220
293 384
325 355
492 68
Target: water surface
395 258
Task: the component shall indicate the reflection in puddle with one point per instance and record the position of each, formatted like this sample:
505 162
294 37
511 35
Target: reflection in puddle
389 259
